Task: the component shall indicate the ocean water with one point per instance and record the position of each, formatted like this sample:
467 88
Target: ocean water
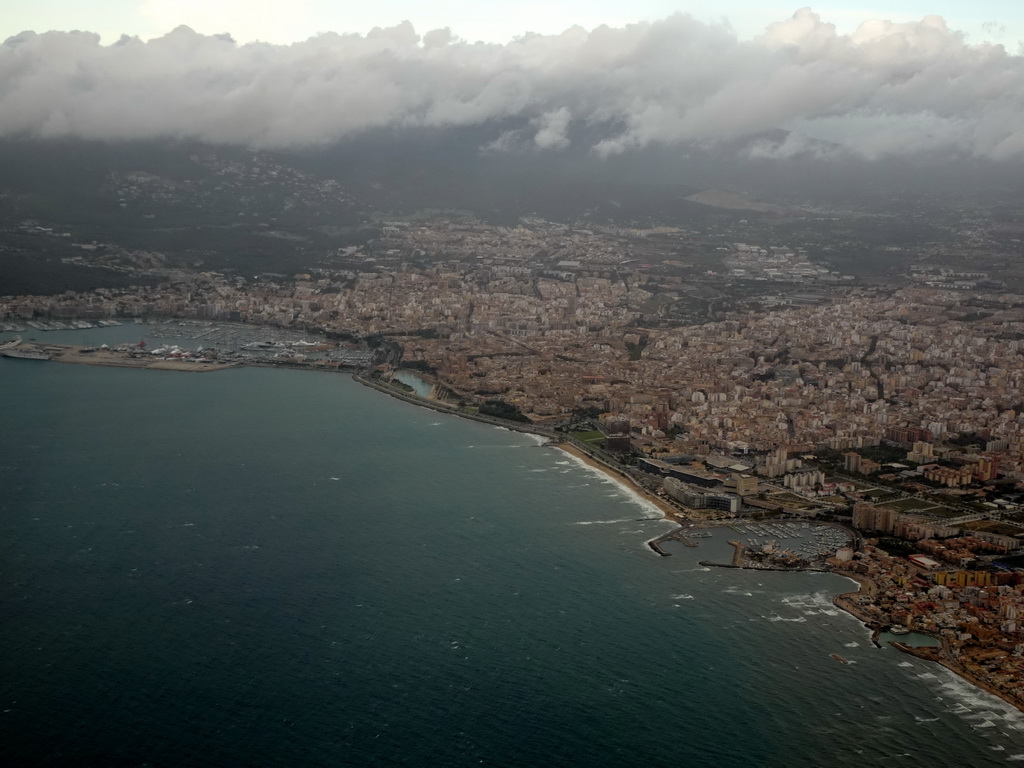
263 567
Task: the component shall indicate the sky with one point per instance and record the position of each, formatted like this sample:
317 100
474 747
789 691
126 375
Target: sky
288 21
913 78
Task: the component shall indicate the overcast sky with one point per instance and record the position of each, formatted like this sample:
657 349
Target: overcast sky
902 81
287 21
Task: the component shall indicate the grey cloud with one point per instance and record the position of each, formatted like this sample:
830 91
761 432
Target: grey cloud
887 89
551 129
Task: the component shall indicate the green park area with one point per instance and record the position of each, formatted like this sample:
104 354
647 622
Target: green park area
906 505
940 511
993 526
921 507
593 436
876 493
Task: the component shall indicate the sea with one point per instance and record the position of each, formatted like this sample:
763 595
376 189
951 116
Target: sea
264 567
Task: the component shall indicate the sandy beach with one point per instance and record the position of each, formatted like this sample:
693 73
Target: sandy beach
843 601
670 512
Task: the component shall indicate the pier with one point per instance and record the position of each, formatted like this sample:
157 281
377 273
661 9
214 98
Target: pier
739 553
78 355
685 536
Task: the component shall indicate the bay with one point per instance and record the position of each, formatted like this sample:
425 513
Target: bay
265 567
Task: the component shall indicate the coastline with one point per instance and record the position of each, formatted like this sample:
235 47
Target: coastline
845 601
75 355
943 658
941 655
668 512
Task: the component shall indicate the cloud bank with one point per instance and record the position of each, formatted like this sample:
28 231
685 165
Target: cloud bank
886 90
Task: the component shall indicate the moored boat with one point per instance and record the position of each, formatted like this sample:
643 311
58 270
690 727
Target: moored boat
25 354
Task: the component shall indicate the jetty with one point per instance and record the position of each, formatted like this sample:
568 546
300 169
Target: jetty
118 358
687 537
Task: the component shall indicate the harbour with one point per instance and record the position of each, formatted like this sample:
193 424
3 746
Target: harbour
232 569
187 346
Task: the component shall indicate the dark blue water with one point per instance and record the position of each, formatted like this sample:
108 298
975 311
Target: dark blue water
261 567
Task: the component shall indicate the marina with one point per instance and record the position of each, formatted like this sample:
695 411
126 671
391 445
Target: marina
803 541
789 620
187 345
769 544
59 325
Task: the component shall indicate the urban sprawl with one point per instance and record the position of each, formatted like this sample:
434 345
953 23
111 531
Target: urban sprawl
770 387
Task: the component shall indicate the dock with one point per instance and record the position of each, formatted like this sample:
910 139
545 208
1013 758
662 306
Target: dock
118 358
683 535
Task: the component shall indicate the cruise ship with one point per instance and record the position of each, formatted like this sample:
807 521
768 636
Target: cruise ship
10 349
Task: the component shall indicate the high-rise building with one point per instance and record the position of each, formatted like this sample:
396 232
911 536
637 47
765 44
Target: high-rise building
851 461
864 516
871 517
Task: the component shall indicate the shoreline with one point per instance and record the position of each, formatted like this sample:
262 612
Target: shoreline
440 407
71 354
941 656
668 512
844 601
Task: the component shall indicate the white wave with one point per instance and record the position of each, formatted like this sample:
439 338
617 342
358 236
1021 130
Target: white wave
682 596
647 543
776 617
733 590
974 704
653 511
538 470
854 644
904 664
605 522
819 601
